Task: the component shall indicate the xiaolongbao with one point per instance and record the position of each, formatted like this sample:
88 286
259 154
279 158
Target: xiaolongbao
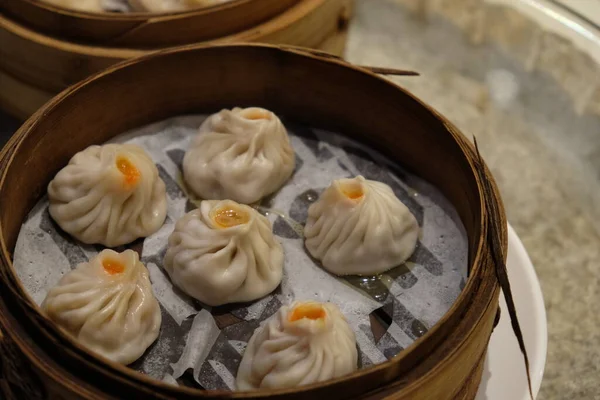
239 154
109 194
79 5
224 252
108 305
171 5
304 343
359 227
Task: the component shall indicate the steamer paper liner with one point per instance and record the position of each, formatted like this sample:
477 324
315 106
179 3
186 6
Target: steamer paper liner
199 345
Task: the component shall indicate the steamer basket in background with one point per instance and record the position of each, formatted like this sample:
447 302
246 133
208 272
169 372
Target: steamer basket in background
44 49
445 363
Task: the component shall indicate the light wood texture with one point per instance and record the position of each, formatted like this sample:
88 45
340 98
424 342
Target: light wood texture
318 90
52 63
144 29
49 64
20 99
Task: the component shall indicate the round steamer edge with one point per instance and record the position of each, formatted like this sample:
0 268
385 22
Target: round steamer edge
36 65
431 362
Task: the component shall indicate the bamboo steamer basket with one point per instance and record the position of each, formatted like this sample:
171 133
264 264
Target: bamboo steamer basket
44 49
145 29
446 363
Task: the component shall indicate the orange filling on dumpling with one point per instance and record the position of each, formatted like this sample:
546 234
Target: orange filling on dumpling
256 114
352 190
228 216
112 266
312 311
131 174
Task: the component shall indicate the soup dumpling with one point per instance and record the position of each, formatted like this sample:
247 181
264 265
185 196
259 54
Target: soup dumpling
109 194
108 305
303 343
224 252
239 154
359 227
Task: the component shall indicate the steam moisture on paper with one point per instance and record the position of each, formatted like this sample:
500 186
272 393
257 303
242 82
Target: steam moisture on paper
207 344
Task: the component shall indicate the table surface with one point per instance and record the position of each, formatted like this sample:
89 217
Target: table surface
544 155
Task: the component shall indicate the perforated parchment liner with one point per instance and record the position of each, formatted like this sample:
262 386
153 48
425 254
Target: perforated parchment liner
203 346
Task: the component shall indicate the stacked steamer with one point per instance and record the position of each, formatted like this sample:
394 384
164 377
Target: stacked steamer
224 251
47 45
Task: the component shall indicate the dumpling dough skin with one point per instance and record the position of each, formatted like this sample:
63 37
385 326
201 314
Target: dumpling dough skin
109 194
219 264
303 343
108 305
359 227
240 154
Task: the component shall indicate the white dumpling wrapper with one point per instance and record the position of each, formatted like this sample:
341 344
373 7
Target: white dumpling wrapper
285 353
240 154
171 5
95 202
219 265
79 5
112 313
359 227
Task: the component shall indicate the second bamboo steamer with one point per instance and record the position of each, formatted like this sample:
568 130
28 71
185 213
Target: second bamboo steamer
145 29
39 55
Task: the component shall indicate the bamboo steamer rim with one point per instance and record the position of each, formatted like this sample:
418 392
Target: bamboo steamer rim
139 16
79 49
235 19
97 50
460 306
33 121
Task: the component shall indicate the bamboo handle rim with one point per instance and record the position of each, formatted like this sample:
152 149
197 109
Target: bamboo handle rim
373 69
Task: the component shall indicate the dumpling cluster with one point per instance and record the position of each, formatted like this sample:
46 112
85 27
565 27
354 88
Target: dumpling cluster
241 155
108 305
303 343
109 194
360 227
224 252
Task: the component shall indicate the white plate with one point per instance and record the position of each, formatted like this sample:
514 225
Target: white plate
504 372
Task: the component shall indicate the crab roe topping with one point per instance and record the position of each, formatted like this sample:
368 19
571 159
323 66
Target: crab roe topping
312 311
112 266
352 189
131 174
229 216
256 114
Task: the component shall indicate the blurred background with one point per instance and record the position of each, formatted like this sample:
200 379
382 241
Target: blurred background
524 78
